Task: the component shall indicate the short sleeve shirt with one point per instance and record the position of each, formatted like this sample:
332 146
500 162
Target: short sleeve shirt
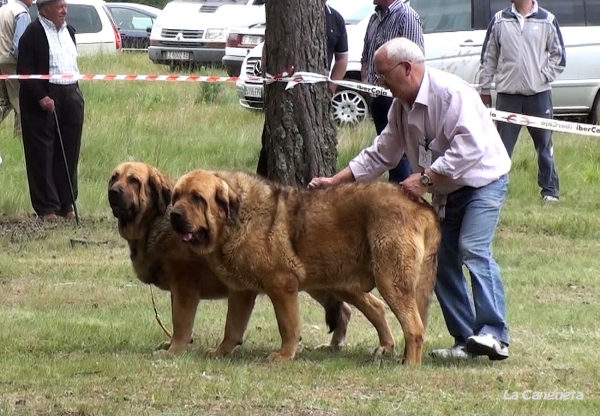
337 38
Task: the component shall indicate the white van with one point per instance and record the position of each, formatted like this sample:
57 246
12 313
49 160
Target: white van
95 29
455 30
193 31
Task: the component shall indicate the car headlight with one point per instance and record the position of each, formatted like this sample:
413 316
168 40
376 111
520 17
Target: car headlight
215 34
156 31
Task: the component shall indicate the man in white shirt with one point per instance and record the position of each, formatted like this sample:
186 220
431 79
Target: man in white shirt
447 133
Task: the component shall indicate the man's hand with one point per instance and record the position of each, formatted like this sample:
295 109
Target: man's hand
414 185
47 104
321 183
486 99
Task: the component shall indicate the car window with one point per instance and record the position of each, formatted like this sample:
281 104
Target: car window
444 15
131 19
84 18
592 12
352 11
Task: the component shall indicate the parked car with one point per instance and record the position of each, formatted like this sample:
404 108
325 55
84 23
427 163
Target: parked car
134 21
455 30
95 28
193 31
348 106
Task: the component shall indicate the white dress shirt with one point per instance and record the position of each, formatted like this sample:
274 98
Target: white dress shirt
449 119
63 52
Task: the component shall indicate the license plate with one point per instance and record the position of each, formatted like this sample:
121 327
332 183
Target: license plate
180 56
254 92
251 40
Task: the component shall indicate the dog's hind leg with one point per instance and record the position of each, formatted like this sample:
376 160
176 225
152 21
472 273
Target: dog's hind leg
374 311
396 282
239 308
337 317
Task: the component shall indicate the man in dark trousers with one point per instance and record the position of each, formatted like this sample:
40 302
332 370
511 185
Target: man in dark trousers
392 19
337 45
48 47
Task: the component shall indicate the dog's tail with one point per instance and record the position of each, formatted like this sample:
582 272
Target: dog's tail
334 313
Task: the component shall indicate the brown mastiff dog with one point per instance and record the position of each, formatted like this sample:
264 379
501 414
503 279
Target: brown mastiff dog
139 196
261 236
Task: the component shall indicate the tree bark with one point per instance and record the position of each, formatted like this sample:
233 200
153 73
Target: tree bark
299 137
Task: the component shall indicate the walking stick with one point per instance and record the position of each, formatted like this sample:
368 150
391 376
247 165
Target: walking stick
62 148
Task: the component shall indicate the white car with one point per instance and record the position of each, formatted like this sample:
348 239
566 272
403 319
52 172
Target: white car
348 106
193 31
95 29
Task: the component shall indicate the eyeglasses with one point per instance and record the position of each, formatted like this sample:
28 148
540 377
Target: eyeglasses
381 75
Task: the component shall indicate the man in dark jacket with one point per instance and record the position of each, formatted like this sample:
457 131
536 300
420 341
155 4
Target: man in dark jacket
48 47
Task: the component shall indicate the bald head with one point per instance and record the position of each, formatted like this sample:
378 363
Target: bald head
401 49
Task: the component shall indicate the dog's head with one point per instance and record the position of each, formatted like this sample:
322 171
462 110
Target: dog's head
137 192
203 205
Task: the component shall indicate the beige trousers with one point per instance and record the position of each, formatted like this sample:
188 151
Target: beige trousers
12 91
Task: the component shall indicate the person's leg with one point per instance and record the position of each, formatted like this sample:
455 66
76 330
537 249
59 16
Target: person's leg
5 106
451 286
12 89
540 105
38 144
482 213
380 106
509 133
70 112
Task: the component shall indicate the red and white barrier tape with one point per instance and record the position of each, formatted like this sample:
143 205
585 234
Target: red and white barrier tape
294 78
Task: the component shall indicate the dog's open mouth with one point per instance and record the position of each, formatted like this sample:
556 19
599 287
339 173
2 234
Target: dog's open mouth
198 237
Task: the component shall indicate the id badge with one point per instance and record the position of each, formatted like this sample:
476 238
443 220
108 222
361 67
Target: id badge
424 156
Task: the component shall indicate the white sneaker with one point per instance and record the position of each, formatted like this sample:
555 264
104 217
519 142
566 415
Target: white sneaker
457 352
486 344
549 198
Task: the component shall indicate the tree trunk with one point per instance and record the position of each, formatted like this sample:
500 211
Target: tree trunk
298 136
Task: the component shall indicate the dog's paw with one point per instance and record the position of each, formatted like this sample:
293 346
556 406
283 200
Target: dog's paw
330 347
214 353
277 357
163 346
383 351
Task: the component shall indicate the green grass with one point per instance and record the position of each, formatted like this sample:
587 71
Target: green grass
79 332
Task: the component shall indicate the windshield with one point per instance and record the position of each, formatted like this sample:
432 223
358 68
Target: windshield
353 11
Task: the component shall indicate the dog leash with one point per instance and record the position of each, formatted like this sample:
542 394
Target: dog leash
157 316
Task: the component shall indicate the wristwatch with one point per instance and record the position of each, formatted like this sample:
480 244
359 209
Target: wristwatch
426 179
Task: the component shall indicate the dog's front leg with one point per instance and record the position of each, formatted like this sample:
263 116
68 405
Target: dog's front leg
285 303
184 303
239 308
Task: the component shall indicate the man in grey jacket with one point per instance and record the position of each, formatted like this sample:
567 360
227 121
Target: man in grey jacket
524 51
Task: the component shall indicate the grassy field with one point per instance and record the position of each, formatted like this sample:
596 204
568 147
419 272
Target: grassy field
79 332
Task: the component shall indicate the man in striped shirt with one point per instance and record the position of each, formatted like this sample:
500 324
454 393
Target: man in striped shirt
392 19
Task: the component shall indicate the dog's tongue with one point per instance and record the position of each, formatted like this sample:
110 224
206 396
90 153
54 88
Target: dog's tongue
187 237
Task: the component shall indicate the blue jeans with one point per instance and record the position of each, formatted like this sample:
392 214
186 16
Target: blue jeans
467 232
538 105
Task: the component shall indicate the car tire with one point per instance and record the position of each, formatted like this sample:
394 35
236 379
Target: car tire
233 72
594 117
349 107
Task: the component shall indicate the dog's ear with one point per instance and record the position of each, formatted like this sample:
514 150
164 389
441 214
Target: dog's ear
227 200
161 187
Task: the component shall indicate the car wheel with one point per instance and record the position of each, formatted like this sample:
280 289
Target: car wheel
594 117
348 108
